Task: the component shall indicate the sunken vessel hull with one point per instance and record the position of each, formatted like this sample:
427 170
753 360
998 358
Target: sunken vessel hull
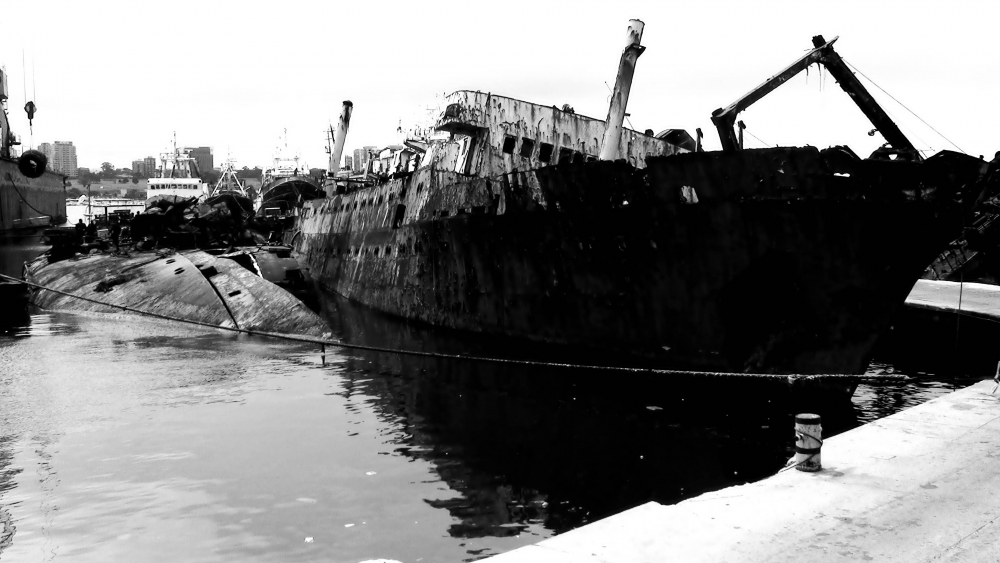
786 260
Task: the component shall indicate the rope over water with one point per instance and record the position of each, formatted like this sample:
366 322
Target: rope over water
508 361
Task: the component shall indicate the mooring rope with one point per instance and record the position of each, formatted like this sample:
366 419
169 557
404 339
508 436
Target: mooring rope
791 464
507 361
904 107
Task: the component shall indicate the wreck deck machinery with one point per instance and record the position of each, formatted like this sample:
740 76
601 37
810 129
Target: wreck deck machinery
543 224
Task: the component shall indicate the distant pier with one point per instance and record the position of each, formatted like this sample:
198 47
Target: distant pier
919 485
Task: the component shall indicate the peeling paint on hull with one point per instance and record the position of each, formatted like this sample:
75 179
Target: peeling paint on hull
791 261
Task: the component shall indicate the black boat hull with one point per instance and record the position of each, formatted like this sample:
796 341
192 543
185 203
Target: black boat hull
790 260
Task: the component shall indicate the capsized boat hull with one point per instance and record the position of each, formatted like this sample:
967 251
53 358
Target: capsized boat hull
189 286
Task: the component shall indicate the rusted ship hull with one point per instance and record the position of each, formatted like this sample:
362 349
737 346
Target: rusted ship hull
27 204
778 260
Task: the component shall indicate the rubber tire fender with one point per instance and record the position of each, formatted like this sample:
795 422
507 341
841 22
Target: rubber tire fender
32 163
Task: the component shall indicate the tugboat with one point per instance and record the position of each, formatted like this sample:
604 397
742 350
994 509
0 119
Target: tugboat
541 224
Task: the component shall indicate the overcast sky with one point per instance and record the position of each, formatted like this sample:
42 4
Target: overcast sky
118 78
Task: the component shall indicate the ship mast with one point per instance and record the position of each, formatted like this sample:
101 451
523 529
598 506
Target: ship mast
623 85
339 139
4 124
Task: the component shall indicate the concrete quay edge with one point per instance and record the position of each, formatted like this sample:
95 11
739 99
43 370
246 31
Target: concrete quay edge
920 485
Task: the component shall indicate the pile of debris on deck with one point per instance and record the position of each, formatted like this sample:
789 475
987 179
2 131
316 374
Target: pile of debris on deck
220 221
223 221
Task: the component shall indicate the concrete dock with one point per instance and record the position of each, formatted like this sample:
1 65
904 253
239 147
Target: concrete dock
972 299
920 485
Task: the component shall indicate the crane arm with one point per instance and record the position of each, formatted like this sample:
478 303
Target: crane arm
822 53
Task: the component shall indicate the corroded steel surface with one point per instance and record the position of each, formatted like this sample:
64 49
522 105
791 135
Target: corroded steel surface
255 303
491 120
169 285
783 260
191 286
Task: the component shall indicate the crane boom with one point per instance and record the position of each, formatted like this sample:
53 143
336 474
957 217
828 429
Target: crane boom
822 53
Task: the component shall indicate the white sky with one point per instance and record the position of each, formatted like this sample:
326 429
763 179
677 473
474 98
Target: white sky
117 78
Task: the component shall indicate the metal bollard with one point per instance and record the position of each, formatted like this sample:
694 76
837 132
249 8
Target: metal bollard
322 355
808 441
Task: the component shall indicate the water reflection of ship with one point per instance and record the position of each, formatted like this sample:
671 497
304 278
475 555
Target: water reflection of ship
554 447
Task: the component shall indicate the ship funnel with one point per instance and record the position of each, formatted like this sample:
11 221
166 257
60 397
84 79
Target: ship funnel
337 150
610 147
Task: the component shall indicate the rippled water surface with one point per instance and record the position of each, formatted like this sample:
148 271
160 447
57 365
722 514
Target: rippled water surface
124 439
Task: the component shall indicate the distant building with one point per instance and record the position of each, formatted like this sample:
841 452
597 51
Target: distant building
348 163
62 157
203 157
361 158
145 167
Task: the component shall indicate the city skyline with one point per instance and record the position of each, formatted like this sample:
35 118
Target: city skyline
694 63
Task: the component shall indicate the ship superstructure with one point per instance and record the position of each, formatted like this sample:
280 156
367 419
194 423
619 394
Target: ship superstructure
177 177
229 182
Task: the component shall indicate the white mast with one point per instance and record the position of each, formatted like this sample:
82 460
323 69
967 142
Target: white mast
619 98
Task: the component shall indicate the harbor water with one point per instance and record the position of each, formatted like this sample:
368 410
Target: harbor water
131 439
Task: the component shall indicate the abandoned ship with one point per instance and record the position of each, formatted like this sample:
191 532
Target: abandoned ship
524 220
31 197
